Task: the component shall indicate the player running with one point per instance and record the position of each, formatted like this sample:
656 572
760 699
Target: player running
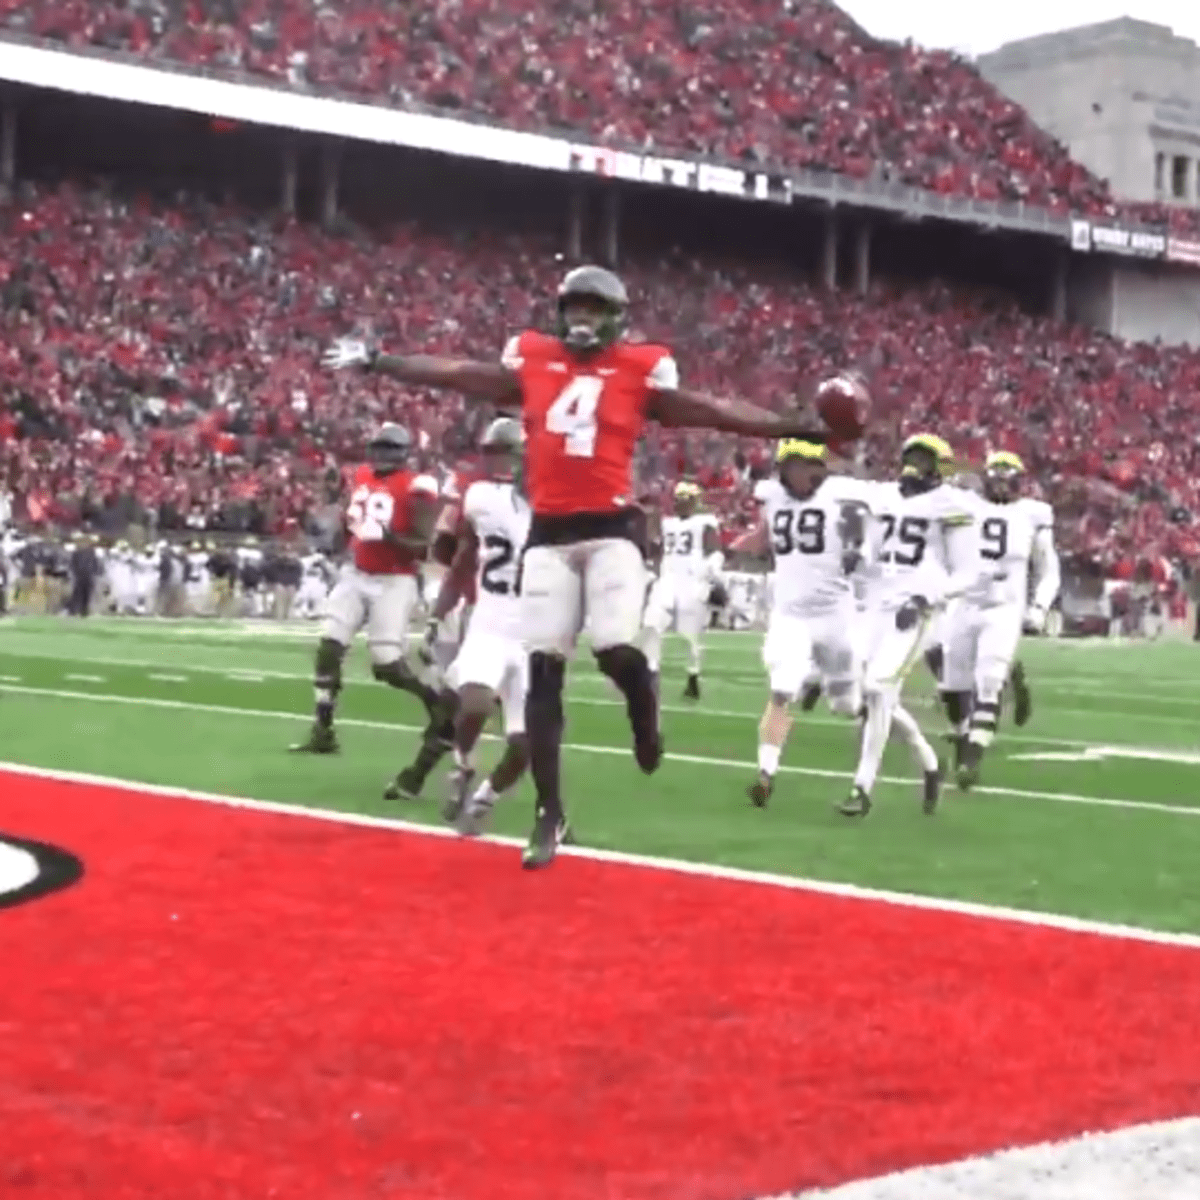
390 517
813 523
923 553
691 564
492 664
585 394
1016 539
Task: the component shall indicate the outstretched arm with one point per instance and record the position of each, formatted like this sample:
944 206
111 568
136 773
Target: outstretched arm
679 408
492 382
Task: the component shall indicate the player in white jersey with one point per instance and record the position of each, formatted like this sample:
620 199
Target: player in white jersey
812 522
923 552
691 564
492 664
198 581
315 581
1016 540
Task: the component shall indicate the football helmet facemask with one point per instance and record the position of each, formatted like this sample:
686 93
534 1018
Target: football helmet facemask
592 304
389 448
1002 476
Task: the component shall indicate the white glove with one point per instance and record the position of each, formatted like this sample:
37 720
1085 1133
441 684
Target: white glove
1035 619
347 352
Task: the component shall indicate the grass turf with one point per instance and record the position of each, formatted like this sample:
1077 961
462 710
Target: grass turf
212 706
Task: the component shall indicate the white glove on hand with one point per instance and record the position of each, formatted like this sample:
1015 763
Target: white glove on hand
1035 619
347 352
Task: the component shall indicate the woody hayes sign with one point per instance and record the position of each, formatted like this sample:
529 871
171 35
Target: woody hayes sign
1137 243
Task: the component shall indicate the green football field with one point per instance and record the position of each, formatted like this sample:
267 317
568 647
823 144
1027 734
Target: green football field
1093 809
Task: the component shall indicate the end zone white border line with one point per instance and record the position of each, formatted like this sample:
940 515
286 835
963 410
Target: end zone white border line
709 870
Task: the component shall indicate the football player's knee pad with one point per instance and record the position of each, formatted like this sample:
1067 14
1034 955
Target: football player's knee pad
328 669
392 670
621 664
990 680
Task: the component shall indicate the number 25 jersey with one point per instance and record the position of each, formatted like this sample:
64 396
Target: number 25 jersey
583 417
500 516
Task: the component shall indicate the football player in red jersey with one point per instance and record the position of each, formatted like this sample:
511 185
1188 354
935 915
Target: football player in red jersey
390 518
585 394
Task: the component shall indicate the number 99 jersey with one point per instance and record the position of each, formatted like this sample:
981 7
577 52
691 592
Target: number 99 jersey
500 517
808 539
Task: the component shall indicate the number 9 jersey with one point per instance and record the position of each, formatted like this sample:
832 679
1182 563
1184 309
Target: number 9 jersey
583 417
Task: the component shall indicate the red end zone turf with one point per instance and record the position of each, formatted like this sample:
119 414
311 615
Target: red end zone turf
241 1004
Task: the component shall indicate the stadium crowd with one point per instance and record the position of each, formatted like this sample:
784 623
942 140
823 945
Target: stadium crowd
795 83
160 366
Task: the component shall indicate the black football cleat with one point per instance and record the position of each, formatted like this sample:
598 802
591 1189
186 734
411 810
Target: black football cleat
321 740
1022 696
958 742
933 791
857 804
967 775
692 690
810 696
760 790
544 841
406 786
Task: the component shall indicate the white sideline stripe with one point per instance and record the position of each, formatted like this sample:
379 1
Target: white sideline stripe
707 870
167 678
10 679
237 675
696 759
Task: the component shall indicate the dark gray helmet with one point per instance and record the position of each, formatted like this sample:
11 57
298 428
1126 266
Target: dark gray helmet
606 324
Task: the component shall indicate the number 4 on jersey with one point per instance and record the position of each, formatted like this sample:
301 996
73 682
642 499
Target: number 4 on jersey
573 414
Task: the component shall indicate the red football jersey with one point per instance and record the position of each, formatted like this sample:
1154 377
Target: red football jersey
381 503
583 418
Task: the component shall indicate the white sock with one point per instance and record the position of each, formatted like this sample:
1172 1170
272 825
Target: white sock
652 648
485 795
922 751
768 758
463 761
693 655
874 739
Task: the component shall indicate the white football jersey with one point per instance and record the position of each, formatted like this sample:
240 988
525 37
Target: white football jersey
683 546
197 567
806 539
500 516
921 545
1007 533
313 566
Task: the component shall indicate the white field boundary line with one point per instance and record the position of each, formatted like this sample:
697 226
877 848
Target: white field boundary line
579 747
680 866
251 675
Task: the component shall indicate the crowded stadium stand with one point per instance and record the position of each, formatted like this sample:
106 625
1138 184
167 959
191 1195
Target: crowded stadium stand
162 334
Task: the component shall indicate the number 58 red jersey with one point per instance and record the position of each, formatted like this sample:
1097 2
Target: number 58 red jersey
583 418
378 504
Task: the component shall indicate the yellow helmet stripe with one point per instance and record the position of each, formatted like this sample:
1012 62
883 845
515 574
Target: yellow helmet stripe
937 446
686 488
1004 458
796 448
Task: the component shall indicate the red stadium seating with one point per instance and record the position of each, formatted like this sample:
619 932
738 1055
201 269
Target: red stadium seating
167 360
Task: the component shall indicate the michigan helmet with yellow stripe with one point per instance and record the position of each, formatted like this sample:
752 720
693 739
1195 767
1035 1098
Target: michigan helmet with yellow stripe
925 460
687 497
1002 475
802 466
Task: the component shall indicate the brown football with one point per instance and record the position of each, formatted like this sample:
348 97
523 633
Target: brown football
845 405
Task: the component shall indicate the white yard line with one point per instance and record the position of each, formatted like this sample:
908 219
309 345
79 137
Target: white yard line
709 870
696 759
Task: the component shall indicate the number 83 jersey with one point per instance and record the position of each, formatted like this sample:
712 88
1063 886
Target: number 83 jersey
500 517
808 541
